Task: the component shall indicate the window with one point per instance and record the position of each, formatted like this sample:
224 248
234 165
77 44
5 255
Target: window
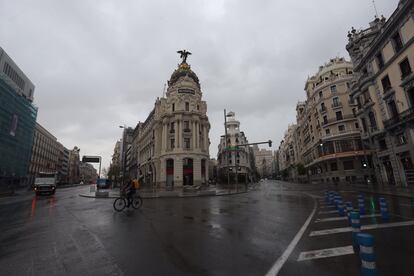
334 166
198 107
186 126
380 60
339 115
405 68
173 107
372 120
172 145
382 144
187 143
172 129
187 106
397 42
325 119
348 85
335 101
392 109
386 84
356 125
333 88
320 94
323 108
401 139
341 127
327 131
364 124
348 165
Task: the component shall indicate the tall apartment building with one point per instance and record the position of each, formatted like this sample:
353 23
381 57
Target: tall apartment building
45 152
87 173
173 143
63 165
383 58
231 158
263 161
17 123
74 161
330 134
289 158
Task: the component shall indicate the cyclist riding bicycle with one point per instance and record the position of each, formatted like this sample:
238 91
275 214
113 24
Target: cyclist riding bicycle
130 189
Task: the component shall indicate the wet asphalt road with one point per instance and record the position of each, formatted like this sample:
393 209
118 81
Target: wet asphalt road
225 235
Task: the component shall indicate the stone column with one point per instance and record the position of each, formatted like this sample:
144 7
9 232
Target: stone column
196 134
180 134
178 172
176 134
193 126
205 138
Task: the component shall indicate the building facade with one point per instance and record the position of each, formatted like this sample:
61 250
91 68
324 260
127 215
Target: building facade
63 165
17 123
263 161
330 134
74 161
231 158
45 152
173 142
383 57
87 173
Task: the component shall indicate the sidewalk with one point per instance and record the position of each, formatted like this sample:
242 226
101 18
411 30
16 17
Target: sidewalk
188 192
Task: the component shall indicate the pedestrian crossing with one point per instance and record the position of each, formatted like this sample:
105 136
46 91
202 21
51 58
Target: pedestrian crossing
328 215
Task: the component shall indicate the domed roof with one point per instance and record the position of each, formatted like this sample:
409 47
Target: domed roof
183 70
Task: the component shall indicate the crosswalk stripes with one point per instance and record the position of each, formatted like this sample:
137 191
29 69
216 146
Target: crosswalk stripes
345 218
326 209
326 253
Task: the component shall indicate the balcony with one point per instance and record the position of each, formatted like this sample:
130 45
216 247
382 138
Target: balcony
187 130
322 110
352 102
405 116
172 130
336 105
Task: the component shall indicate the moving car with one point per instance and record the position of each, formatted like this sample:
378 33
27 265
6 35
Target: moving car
45 183
103 183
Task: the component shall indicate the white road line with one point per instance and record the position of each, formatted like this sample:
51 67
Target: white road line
327 212
363 227
345 218
326 207
274 270
326 253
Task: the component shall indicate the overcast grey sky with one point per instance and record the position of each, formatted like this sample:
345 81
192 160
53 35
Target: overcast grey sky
100 64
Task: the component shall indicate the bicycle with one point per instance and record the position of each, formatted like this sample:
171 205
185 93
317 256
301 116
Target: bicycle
122 202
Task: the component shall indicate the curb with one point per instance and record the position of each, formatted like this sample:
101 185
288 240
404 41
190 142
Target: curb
166 196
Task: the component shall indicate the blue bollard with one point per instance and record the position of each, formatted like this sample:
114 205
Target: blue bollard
336 198
361 205
356 227
349 209
366 253
384 209
341 208
331 198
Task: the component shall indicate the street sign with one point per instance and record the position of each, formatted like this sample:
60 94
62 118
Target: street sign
91 159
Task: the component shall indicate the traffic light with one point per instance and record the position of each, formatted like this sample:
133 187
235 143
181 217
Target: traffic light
364 164
270 143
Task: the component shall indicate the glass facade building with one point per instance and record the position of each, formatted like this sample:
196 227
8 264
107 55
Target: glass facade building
17 124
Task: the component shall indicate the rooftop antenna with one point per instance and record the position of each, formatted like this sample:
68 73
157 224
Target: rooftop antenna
375 8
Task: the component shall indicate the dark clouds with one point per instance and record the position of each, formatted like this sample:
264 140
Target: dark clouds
100 64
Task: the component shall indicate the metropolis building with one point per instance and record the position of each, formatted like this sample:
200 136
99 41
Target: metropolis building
173 144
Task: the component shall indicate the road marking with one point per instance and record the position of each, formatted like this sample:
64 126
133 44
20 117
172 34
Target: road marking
363 227
274 270
326 207
327 212
326 253
345 218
